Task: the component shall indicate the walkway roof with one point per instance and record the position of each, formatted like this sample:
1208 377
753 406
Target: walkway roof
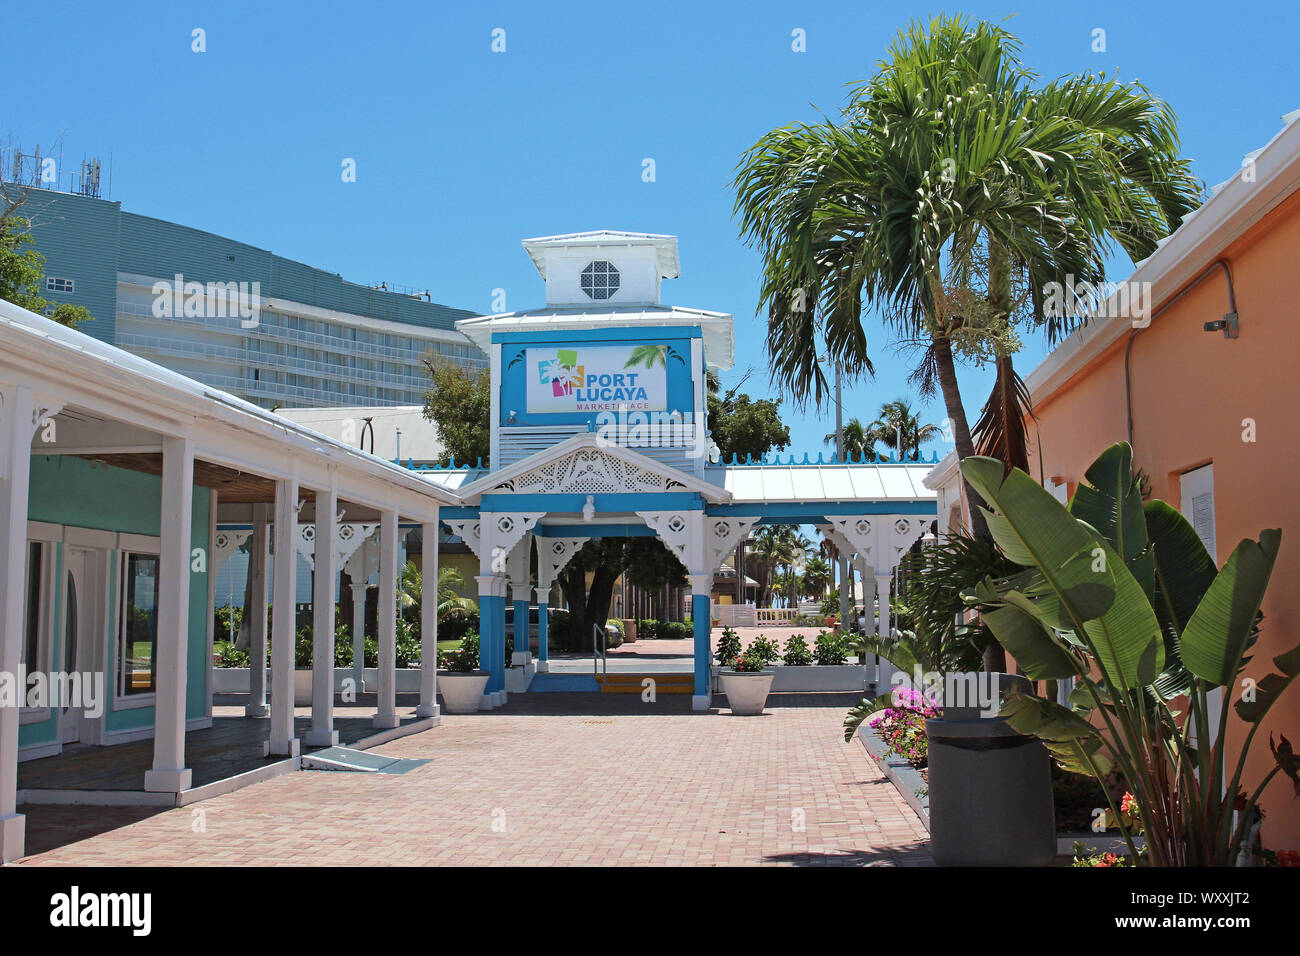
717 327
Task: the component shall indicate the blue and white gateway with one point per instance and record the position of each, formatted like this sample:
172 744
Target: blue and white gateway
599 429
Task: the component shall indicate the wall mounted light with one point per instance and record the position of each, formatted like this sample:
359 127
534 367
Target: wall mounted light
1227 325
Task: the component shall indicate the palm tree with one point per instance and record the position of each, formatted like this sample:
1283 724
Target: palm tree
773 547
450 583
949 176
855 439
897 418
816 576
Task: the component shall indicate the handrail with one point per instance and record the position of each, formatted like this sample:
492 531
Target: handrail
598 653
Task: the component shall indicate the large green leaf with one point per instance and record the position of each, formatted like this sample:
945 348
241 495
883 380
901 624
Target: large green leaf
1066 735
1036 651
1183 572
1112 503
1126 638
1034 530
1216 635
1253 706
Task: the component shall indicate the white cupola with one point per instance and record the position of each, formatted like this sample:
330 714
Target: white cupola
603 269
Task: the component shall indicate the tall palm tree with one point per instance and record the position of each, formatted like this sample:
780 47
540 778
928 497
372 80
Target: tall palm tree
816 576
410 587
856 444
949 174
897 418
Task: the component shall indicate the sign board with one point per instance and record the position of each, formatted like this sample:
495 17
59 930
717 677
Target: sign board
597 378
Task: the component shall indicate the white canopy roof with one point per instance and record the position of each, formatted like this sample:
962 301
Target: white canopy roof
665 247
718 327
815 483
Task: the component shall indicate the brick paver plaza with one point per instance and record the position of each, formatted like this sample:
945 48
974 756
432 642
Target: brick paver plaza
547 779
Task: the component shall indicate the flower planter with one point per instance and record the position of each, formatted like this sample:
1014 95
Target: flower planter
747 692
462 691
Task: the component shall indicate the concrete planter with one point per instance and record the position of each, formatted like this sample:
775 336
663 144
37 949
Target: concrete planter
462 693
747 693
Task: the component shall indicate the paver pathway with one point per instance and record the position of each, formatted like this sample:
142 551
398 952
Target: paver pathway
547 779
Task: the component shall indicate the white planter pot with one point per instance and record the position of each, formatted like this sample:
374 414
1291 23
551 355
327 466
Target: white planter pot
462 693
746 693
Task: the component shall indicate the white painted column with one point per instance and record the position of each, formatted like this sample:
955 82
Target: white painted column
169 774
16 428
386 714
258 562
283 741
883 582
325 560
429 622
359 633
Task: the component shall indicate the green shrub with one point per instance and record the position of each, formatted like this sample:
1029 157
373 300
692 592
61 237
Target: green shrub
455 627
830 649
648 629
797 653
408 643
463 659
728 647
765 648
231 656
676 630
228 620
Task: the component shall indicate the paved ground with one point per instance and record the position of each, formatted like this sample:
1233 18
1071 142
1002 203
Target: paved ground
547 779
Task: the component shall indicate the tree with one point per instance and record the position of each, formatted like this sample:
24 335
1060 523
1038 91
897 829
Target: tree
949 174
816 576
605 559
451 604
856 444
22 268
459 403
897 417
744 427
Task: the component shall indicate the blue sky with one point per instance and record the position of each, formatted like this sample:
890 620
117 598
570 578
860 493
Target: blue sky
461 152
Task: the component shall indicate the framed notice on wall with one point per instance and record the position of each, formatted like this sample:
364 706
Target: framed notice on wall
597 378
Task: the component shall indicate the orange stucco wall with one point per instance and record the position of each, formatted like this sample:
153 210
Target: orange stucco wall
1191 392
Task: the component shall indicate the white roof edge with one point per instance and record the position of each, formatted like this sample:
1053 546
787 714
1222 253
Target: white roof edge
1215 225
941 475
590 440
669 263
169 388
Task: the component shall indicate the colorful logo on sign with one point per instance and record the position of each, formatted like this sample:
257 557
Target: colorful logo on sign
562 373
597 378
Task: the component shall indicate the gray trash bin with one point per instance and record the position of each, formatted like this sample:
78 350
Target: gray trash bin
990 792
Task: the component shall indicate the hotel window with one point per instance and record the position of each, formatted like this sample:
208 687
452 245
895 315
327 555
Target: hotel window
60 286
600 280
138 634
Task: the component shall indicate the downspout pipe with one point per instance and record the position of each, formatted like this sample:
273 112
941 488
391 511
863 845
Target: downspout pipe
1128 347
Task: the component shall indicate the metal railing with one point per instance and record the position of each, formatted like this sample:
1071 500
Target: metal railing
599 659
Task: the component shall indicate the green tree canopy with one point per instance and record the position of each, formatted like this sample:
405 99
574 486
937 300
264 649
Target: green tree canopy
459 403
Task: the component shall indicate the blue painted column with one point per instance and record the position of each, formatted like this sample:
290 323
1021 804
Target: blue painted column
521 621
701 611
543 629
492 632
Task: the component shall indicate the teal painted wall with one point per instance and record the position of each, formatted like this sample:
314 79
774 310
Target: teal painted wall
75 492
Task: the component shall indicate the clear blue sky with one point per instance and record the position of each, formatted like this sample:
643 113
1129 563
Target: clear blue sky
462 152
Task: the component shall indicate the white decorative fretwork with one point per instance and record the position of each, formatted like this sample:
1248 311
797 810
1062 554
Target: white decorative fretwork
518 568
682 532
589 472
723 534
226 543
467 530
347 539
498 533
553 554
878 539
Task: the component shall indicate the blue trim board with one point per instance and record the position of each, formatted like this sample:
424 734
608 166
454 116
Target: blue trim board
702 624
617 334
615 503
593 531
798 512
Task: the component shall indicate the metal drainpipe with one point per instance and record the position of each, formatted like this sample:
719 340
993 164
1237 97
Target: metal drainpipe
1128 347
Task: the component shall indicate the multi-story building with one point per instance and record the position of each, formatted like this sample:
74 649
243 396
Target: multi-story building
299 337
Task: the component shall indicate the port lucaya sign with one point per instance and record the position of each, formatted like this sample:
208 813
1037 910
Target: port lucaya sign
597 378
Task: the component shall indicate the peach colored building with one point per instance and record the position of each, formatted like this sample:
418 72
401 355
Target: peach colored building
1206 387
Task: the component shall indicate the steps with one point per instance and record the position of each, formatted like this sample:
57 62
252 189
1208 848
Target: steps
632 683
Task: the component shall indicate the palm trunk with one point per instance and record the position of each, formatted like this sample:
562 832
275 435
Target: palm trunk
947 374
